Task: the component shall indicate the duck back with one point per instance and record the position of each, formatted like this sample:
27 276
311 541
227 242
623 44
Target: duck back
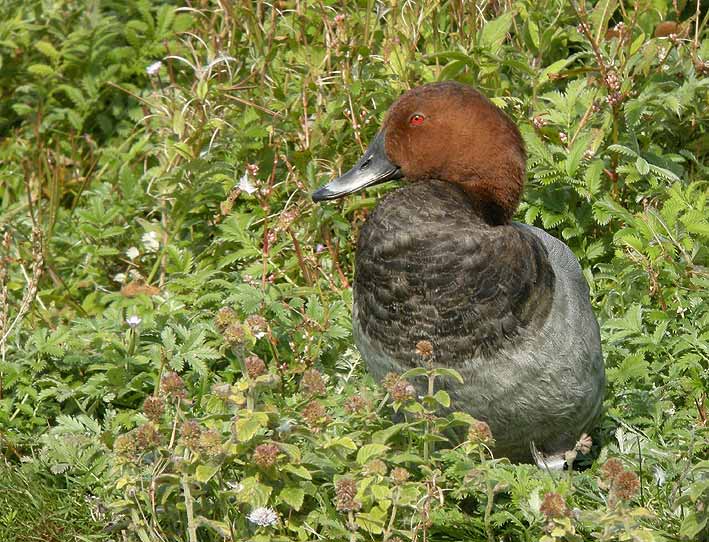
506 306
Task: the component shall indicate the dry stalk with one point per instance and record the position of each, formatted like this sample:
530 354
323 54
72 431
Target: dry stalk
30 291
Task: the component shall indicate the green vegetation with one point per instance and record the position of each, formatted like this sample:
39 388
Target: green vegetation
176 360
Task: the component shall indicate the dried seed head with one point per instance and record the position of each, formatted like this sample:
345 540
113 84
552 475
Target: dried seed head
424 349
312 383
356 404
125 446
258 325
265 455
173 385
147 437
345 491
400 475
315 415
399 389
255 366
625 485
375 466
480 433
234 334
611 469
225 317
153 408
190 432
554 506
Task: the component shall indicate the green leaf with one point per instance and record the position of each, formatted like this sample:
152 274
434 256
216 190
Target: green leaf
293 497
693 524
299 471
383 435
47 49
642 166
416 371
600 16
247 427
449 373
41 70
495 32
204 473
442 398
370 451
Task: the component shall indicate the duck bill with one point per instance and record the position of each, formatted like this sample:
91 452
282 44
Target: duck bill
373 168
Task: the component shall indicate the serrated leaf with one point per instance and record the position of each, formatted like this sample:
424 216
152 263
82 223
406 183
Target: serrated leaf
642 166
47 49
41 69
370 451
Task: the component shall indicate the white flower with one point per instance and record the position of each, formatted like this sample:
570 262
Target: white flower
246 185
120 278
150 241
263 516
133 321
132 253
153 68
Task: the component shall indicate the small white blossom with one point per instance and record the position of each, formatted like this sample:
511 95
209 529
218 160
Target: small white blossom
150 241
246 185
263 516
120 278
132 253
133 321
153 68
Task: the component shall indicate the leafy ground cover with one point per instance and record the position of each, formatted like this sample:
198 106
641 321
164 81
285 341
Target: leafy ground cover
176 360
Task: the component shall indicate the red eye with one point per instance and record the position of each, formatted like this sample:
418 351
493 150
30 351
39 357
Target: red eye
416 119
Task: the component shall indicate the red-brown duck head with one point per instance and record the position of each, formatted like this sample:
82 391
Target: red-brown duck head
450 132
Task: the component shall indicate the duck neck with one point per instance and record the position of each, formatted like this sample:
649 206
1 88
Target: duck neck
495 194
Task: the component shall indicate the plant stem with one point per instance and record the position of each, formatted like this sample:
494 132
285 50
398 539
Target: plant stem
191 526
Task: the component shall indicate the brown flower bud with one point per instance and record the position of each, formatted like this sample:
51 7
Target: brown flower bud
345 491
625 485
312 383
147 437
480 433
255 366
400 475
611 469
225 317
265 455
315 414
356 404
190 432
554 506
153 408
424 349
173 385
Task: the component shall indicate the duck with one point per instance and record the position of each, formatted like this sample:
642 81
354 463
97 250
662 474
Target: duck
440 260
